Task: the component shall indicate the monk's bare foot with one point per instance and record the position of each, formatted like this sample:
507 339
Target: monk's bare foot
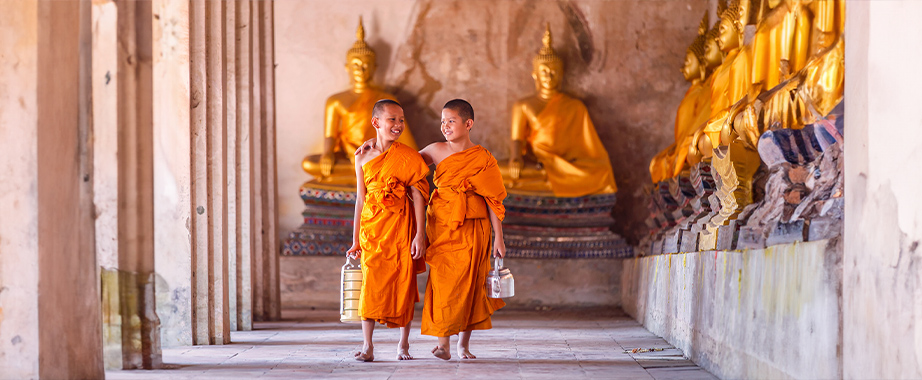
403 353
441 353
366 355
465 353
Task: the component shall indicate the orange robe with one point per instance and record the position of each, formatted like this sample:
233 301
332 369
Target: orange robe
388 225
355 126
459 232
566 143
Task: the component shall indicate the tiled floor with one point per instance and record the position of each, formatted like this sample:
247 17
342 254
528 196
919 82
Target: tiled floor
576 344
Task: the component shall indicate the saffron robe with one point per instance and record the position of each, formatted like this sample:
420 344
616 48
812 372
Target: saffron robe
356 125
565 141
388 225
460 247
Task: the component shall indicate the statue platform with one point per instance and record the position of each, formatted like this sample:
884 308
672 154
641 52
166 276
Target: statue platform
328 221
539 226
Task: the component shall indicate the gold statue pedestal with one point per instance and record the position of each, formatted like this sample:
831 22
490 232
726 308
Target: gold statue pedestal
541 226
328 221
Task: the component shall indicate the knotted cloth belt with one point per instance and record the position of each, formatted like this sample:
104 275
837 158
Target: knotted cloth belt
457 199
388 194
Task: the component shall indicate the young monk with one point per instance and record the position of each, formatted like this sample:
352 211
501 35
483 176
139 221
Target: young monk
467 202
389 229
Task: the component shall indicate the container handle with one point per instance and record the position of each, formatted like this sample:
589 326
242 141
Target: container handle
497 264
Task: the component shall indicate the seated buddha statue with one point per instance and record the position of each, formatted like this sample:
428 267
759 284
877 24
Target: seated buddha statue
555 147
347 119
696 99
781 42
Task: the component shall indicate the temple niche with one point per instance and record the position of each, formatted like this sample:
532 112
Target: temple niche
765 166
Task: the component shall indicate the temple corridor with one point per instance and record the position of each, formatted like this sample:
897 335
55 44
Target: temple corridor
306 344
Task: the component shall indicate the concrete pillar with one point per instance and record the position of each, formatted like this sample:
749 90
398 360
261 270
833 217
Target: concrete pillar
199 162
230 130
266 280
172 172
49 307
256 169
140 324
882 286
244 291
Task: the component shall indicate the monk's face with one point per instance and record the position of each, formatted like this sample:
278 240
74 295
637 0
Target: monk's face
454 128
390 123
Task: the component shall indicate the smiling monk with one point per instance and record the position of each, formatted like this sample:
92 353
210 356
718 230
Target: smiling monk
467 202
390 207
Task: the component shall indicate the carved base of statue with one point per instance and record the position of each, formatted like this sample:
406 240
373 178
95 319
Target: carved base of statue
546 227
328 222
703 185
735 166
683 191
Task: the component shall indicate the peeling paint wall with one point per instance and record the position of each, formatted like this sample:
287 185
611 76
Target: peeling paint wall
772 313
622 59
883 226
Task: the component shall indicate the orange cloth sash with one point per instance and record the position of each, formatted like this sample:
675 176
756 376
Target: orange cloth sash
459 232
388 226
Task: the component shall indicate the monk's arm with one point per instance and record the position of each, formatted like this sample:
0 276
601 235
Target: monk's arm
499 246
418 249
360 190
426 154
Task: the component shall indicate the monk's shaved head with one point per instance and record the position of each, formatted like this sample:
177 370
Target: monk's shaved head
462 107
381 105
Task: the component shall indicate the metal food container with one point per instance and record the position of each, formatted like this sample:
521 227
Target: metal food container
500 283
350 288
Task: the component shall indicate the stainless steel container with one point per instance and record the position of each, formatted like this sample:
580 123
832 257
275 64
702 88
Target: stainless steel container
500 283
350 288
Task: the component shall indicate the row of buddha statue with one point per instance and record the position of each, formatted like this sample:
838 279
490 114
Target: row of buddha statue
763 66
555 148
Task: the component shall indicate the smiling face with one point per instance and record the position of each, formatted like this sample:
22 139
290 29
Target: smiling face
454 128
390 123
361 69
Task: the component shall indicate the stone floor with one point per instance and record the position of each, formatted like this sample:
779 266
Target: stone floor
574 344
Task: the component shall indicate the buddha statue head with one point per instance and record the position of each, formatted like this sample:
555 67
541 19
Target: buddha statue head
713 56
692 68
547 66
360 60
743 15
729 30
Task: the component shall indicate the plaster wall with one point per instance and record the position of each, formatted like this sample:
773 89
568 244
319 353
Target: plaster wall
758 314
882 299
172 171
313 281
19 334
622 59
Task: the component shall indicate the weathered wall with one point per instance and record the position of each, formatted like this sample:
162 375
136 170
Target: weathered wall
313 281
882 302
622 58
19 344
767 314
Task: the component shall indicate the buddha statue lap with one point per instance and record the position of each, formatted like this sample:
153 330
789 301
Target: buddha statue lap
347 120
555 150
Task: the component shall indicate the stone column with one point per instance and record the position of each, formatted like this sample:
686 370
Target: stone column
49 305
882 291
140 324
230 108
256 169
172 172
244 291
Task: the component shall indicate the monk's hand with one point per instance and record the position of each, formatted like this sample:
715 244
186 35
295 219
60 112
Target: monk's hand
515 167
326 164
499 247
418 248
354 252
365 147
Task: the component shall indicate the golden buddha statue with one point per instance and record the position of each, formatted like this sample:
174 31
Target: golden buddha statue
712 62
662 166
781 43
824 75
555 147
347 119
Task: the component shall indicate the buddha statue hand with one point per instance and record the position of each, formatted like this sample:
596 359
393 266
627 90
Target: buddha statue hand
785 69
515 167
326 163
